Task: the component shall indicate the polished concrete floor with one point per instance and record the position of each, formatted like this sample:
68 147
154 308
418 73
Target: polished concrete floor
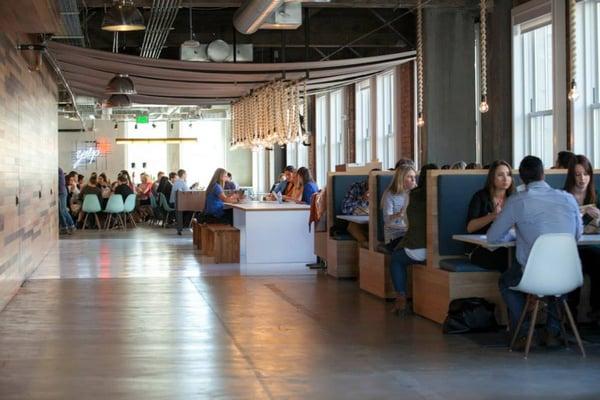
140 315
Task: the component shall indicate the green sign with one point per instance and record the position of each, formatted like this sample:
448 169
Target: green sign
142 119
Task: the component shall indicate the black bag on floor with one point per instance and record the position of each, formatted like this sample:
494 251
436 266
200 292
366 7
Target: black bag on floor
472 314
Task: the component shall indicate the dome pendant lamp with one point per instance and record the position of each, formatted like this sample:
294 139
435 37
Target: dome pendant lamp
123 16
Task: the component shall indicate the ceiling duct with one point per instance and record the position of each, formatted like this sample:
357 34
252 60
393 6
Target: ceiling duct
287 16
216 51
251 15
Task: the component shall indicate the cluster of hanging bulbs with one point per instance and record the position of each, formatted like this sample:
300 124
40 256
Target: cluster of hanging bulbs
268 116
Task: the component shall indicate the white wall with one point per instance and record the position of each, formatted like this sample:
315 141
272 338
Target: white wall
69 142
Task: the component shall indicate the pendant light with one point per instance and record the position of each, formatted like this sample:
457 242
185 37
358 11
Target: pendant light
123 16
483 106
117 100
120 84
573 93
420 118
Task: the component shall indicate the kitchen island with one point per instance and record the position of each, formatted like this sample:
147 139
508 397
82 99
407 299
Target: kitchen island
274 233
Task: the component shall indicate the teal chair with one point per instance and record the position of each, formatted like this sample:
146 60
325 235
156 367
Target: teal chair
91 205
155 210
116 207
129 207
166 209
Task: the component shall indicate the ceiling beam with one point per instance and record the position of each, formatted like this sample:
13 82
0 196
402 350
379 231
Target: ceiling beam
331 4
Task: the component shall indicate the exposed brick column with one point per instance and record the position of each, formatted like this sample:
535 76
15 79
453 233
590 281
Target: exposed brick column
350 113
405 111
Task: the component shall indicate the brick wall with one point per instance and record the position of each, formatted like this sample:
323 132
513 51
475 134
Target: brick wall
28 166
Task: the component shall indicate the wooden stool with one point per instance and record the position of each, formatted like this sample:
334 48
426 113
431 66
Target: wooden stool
195 232
225 243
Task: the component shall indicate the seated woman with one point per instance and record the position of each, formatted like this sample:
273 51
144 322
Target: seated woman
393 204
485 205
294 188
412 249
144 190
216 199
580 183
305 181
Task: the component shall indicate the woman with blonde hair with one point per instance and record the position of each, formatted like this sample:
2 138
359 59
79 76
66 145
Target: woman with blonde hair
216 199
394 202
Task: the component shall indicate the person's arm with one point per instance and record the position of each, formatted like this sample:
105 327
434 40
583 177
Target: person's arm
577 216
388 209
476 221
499 232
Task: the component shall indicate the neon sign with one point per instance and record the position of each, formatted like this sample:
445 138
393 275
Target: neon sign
86 156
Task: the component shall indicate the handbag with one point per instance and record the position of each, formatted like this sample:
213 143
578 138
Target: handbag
472 314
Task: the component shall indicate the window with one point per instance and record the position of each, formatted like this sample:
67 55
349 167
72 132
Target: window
201 159
322 133
259 175
587 107
336 129
533 89
297 154
386 137
363 122
153 156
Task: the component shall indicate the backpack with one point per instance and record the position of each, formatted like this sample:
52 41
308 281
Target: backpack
472 314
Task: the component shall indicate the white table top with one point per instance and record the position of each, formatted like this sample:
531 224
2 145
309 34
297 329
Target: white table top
481 240
269 206
358 219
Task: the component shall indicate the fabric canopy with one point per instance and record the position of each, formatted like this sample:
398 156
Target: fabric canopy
173 82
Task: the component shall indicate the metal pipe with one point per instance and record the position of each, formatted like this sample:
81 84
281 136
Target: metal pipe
149 28
157 16
165 33
160 25
251 15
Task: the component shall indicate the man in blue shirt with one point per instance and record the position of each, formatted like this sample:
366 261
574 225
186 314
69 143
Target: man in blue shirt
536 211
179 184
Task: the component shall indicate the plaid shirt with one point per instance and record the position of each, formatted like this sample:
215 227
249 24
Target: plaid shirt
354 197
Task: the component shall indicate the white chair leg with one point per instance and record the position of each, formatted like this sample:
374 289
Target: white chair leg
108 221
98 221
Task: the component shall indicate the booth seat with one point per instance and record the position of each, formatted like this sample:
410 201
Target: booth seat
448 274
374 262
342 249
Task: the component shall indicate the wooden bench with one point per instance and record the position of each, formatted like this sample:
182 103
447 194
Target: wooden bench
374 262
221 242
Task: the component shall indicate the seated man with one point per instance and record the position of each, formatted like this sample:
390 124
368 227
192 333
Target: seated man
356 202
536 211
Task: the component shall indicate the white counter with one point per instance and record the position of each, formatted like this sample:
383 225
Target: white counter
274 233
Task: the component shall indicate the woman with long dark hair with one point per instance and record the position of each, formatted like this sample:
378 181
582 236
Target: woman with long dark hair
485 205
580 183
307 183
216 199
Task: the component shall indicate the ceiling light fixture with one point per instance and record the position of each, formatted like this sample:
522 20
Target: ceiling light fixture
420 118
117 100
120 84
123 16
116 126
155 140
483 106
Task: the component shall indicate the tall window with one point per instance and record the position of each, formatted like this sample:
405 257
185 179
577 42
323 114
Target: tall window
260 172
336 125
363 122
587 107
386 135
533 89
322 127
297 155
153 156
201 159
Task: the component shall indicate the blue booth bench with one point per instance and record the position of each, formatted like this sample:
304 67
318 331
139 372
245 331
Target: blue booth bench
448 274
342 249
374 262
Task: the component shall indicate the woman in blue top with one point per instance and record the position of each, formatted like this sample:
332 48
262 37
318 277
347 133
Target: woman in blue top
306 181
216 198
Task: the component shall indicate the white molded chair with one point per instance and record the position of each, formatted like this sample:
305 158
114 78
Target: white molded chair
91 205
129 207
553 269
116 207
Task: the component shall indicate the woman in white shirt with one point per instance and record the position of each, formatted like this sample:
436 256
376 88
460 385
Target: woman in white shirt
393 204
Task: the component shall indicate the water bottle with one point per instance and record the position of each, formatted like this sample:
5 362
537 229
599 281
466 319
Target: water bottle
279 197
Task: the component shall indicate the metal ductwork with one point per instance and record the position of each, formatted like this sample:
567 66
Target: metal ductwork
251 15
161 21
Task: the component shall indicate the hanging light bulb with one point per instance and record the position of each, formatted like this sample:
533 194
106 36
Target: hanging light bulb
420 120
135 127
116 126
573 93
420 83
484 106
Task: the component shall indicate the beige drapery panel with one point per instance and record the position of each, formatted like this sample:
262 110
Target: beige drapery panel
174 82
